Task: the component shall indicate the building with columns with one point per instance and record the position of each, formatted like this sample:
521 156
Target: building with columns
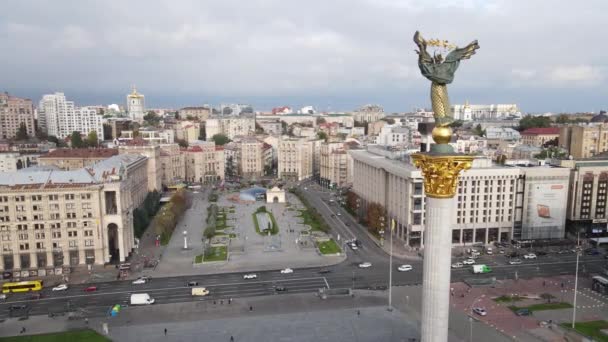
50 219
493 203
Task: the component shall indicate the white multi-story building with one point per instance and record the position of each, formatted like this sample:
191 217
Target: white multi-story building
60 117
394 135
230 126
136 106
493 203
468 112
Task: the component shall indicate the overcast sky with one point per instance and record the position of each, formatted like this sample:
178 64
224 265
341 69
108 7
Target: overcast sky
333 54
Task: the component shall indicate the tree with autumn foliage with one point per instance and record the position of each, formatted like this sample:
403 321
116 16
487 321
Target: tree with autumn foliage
375 214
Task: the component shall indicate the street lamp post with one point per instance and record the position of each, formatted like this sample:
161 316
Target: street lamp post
390 269
578 253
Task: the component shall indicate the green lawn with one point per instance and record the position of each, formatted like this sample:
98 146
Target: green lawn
311 220
198 259
507 299
274 229
74 335
590 329
216 254
543 306
329 247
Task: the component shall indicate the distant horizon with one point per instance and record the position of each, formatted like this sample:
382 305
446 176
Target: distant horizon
258 104
334 55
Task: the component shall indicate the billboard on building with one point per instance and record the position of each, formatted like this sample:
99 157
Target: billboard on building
546 211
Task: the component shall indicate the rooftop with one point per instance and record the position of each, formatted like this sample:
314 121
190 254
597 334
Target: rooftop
81 153
541 131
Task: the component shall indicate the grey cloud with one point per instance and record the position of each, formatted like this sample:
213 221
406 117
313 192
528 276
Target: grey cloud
268 51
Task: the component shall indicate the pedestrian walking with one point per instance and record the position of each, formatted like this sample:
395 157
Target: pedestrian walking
231 338
229 300
165 331
86 321
251 308
222 302
358 312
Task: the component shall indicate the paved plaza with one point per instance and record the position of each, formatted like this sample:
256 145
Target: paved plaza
247 251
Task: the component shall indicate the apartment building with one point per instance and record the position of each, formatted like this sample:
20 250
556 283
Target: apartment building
200 113
15 111
205 163
336 165
173 164
229 126
59 117
251 159
295 159
368 113
584 141
73 159
50 219
188 131
539 136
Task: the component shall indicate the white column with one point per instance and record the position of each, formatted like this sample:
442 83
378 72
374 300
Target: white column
436 274
121 244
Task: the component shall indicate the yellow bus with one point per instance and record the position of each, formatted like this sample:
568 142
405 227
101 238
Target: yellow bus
22 286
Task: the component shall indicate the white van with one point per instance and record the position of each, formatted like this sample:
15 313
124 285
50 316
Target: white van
141 299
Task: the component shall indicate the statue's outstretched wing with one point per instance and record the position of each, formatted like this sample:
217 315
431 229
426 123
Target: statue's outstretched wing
424 55
462 53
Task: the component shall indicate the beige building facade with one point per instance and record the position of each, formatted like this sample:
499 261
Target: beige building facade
173 164
51 219
539 136
15 111
251 159
584 141
200 113
230 126
295 159
154 166
204 163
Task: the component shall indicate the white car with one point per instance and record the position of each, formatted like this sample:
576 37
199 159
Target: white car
2 296
405 268
480 311
365 265
353 246
250 276
468 262
457 265
139 281
514 262
530 256
286 271
61 287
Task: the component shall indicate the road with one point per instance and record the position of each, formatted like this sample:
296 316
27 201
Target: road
344 275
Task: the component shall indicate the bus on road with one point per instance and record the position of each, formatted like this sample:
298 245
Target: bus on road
22 286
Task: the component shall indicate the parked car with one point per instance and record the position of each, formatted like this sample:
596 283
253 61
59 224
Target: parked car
523 312
90 289
592 251
365 265
286 271
324 271
192 283
18 307
250 276
480 311
2 296
468 262
405 268
61 287
530 256
541 253
457 265
514 261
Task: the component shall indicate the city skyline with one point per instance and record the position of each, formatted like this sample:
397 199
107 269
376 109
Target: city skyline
271 53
